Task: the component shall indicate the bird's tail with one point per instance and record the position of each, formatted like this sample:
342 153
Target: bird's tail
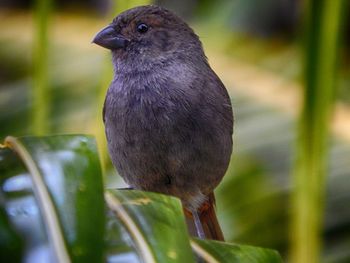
203 222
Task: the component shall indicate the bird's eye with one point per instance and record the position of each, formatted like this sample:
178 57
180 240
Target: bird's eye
142 28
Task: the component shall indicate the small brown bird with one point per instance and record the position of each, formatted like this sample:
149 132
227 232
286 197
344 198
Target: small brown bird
168 117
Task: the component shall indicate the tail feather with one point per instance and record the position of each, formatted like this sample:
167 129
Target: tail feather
208 220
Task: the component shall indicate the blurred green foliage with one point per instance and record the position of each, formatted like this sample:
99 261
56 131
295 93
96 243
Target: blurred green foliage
322 32
41 94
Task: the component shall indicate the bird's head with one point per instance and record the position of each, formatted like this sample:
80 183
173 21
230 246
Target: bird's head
149 33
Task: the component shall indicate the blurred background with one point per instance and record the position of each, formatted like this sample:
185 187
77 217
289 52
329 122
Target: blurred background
281 78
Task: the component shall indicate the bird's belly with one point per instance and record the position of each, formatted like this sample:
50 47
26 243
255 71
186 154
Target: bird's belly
167 151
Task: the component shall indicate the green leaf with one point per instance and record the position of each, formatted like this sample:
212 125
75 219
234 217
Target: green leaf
52 206
215 251
11 245
22 230
120 246
155 222
67 183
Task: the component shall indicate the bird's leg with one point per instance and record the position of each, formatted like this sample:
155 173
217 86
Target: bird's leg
202 221
198 224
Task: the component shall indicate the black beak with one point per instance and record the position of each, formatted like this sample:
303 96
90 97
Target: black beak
109 38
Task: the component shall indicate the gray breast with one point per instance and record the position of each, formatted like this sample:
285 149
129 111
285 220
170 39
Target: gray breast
167 137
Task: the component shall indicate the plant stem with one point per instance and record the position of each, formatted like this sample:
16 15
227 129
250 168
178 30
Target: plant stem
323 23
41 99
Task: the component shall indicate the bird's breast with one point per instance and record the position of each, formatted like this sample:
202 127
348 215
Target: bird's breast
138 110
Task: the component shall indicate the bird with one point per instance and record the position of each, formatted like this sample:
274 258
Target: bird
168 117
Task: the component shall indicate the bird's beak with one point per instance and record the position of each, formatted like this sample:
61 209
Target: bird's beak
109 38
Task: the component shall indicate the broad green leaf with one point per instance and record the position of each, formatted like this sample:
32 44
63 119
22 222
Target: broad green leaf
67 183
155 223
120 246
51 209
11 245
22 228
215 251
